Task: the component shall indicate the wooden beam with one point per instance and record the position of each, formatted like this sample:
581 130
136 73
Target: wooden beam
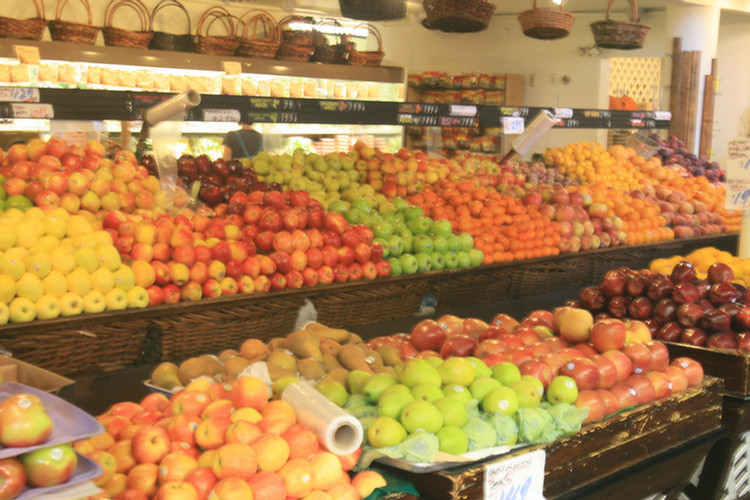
693 95
707 118
674 85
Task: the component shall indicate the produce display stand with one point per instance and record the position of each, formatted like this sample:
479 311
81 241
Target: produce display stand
651 449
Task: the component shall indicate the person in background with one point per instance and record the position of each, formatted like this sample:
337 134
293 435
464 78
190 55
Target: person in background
243 143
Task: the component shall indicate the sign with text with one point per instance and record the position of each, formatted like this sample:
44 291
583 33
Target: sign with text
738 175
19 94
232 67
516 478
27 54
513 124
221 115
41 111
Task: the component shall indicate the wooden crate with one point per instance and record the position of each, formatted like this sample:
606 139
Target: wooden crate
600 450
728 364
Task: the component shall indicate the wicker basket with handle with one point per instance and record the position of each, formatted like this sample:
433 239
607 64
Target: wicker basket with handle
70 31
216 45
125 38
457 16
623 35
373 10
546 24
326 52
170 41
367 58
296 45
25 29
260 35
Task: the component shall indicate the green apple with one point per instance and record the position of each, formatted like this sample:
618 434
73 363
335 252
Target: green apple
422 244
71 304
467 242
527 393
377 384
424 264
116 299
12 265
409 264
54 283
79 281
38 263
453 411
18 201
437 262
29 286
457 370
108 257
480 367
454 243
333 391
93 302
395 245
507 373
421 415
395 263
476 257
21 310
483 386
562 389
501 400
413 212
124 278
356 381
7 288
457 391
434 360
428 392
102 279
537 383
47 307
4 317
440 245
382 229
86 258
453 440
419 226
451 261
418 371
407 239
385 431
391 404
442 228
464 261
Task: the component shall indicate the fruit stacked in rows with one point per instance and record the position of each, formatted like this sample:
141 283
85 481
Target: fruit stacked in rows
25 423
54 264
213 440
702 258
678 307
673 152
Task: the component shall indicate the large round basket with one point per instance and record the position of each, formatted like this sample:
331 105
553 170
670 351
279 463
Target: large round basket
25 29
69 31
170 41
260 35
216 45
623 35
326 52
125 38
367 58
546 24
457 16
373 10
296 45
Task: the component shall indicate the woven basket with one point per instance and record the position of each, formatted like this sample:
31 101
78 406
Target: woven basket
216 45
373 10
551 274
623 35
69 31
546 24
469 288
296 45
260 35
170 41
367 58
457 16
119 37
25 29
324 51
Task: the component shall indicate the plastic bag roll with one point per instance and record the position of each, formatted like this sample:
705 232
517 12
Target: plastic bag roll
336 429
172 107
539 126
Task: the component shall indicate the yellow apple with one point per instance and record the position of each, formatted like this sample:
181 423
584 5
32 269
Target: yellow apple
93 302
108 257
12 265
28 231
86 258
55 283
124 278
4 314
47 307
102 280
7 236
62 260
38 263
56 225
7 288
137 297
79 281
29 286
46 243
115 300
78 225
71 304
21 310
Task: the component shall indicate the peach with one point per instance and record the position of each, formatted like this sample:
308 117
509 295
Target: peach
272 452
366 481
297 474
326 470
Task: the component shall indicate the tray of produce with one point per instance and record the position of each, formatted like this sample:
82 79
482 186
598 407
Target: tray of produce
84 469
445 461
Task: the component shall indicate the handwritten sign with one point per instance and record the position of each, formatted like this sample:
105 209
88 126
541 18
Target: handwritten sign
40 111
513 124
221 115
738 175
563 113
27 54
516 478
19 94
662 115
232 67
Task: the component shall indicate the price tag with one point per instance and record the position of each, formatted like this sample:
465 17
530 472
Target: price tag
738 175
517 478
27 54
463 110
221 115
513 125
662 115
563 113
232 67
19 94
42 111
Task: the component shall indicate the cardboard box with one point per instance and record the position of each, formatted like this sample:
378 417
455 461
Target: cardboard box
18 371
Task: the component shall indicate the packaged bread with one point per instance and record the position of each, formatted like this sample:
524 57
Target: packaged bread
249 87
69 74
109 76
296 89
351 90
196 83
161 81
144 79
5 73
373 90
230 85
264 88
278 88
21 73
339 90
94 74
311 89
126 78
177 83
48 73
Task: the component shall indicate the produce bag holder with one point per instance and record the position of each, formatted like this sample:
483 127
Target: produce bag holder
260 35
69 31
296 45
170 41
216 45
623 35
373 10
25 29
324 51
367 58
546 24
538 127
167 110
457 16
119 37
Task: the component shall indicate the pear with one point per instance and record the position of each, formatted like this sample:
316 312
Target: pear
193 368
254 350
390 355
328 346
166 376
336 334
233 367
276 343
310 369
276 372
384 369
338 375
282 359
353 358
227 354
330 362
304 344
377 384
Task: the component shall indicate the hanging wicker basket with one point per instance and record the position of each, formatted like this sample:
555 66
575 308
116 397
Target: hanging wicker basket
216 45
546 24
296 45
124 38
373 10
623 35
260 35
326 52
25 29
457 16
367 58
69 31
170 41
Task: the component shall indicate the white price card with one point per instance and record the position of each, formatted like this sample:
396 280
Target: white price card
19 94
463 110
40 111
662 115
232 67
563 113
221 115
516 478
27 54
513 125
738 175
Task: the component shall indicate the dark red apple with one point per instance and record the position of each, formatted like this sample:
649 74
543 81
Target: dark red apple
722 340
427 334
665 311
671 332
720 272
685 292
694 336
660 288
683 271
716 321
458 345
640 308
618 306
592 298
722 293
613 283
